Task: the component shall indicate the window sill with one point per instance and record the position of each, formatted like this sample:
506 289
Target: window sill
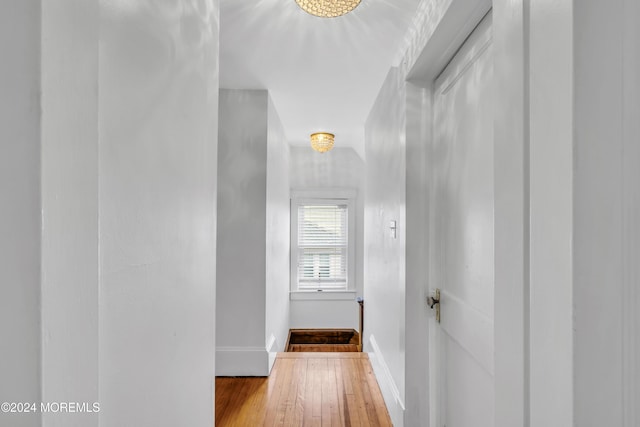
322 295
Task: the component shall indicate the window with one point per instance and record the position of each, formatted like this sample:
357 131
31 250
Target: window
321 247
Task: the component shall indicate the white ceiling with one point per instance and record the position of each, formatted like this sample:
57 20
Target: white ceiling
323 74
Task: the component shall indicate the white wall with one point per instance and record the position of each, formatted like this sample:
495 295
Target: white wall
158 97
242 192
384 255
120 179
70 207
606 201
551 212
20 218
584 79
631 213
597 227
418 107
324 313
511 215
338 169
253 234
277 244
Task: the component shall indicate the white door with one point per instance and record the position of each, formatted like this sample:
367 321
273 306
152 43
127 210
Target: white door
462 236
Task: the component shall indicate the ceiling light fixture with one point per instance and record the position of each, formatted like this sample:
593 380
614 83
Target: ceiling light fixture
322 141
328 8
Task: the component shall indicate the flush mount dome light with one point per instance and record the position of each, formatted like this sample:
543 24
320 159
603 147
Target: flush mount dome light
328 8
322 141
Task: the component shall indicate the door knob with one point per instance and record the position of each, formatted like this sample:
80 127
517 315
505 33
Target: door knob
434 302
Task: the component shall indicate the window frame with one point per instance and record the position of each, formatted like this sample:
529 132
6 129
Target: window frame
344 197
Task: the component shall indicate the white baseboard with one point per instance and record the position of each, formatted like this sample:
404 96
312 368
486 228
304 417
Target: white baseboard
242 362
272 350
387 384
246 361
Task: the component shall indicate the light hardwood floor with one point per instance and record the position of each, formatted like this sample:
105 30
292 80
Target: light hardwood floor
304 389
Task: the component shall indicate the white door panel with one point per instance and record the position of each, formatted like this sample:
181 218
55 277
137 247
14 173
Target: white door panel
469 390
471 329
462 231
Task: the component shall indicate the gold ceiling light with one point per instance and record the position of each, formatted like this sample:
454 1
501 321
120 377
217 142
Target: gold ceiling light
328 8
322 141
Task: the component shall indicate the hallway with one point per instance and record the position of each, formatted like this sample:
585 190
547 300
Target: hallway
315 389
167 215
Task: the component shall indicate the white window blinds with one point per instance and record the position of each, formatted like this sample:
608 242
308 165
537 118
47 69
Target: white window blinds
322 246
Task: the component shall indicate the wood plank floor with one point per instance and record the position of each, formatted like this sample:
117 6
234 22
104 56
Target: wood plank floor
304 389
